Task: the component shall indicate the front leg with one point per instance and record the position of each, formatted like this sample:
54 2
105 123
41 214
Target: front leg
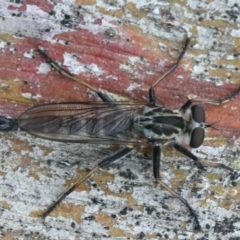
200 163
195 99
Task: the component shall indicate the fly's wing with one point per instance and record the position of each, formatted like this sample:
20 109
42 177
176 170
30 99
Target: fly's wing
84 122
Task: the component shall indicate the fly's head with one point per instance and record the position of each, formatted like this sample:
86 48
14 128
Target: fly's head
194 132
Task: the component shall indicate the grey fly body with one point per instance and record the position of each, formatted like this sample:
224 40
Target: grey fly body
128 124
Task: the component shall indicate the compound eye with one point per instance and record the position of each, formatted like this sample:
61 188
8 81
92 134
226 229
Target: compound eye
198 114
197 137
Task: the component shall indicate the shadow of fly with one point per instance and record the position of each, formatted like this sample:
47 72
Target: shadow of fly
127 124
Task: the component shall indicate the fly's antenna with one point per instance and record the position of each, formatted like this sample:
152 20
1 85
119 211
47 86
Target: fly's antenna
212 125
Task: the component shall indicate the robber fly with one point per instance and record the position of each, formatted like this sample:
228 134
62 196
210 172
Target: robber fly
111 122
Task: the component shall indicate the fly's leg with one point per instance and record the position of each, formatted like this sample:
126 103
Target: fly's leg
152 99
200 163
156 168
105 162
60 70
156 161
194 99
197 226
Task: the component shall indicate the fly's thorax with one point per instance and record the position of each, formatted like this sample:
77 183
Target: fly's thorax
163 124
159 123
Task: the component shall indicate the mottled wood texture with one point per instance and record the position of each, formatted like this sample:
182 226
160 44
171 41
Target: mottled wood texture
121 48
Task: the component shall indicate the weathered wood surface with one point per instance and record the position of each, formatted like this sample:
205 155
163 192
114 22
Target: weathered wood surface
122 48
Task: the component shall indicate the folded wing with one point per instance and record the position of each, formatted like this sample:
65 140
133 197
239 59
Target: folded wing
87 122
